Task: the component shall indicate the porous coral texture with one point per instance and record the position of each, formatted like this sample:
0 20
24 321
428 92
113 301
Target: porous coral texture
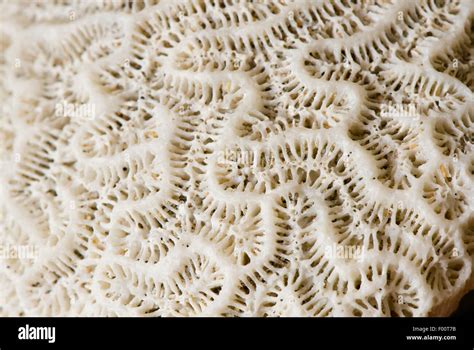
236 158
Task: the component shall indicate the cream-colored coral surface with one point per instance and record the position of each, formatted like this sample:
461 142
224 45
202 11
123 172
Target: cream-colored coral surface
236 158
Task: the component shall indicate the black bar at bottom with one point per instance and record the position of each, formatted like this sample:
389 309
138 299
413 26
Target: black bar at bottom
314 333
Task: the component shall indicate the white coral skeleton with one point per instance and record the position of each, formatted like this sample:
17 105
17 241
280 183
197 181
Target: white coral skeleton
236 158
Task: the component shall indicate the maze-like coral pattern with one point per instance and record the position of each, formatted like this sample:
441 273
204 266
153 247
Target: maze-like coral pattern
232 148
